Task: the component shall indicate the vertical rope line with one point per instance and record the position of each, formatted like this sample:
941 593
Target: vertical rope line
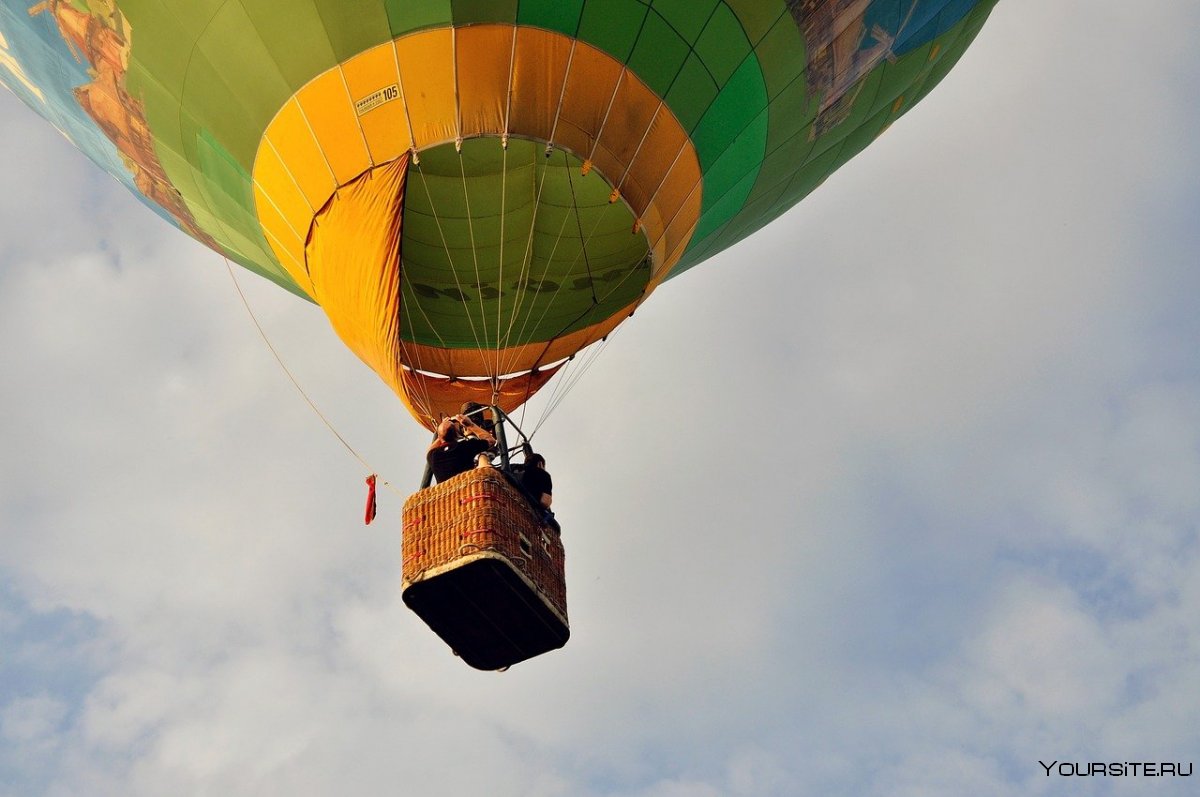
425 400
457 102
628 273
587 262
608 111
583 248
417 302
562 94
642 143
527 258
545 271
500 280
357 119
667 173
512 64
449 259
412 136
508 97
462 170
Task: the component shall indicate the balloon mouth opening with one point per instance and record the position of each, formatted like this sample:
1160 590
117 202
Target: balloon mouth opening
503 247
470 379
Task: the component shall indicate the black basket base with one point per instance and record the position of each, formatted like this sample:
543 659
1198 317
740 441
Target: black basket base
487 612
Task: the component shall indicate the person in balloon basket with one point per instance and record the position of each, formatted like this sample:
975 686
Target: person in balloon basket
473 411
460 445
538 486
477 426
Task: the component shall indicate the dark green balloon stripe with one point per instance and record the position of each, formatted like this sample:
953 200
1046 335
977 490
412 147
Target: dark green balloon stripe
800 159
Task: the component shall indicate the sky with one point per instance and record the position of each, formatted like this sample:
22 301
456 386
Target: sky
898 497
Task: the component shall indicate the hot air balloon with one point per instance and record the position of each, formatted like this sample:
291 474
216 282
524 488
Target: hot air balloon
475 190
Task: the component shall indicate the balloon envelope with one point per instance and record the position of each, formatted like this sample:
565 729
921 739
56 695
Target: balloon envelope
474 190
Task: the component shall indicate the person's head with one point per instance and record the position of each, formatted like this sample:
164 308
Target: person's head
535 461
447 428
473 410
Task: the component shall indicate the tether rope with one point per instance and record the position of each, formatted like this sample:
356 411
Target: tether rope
296 384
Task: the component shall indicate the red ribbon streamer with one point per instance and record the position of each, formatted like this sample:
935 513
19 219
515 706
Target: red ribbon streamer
371 506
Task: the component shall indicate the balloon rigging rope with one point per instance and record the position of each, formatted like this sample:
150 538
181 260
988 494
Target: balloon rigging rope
500 281
416 361
474 253
572 380
526 260
563 385
446 246
559 285
249 310
545 271
587 262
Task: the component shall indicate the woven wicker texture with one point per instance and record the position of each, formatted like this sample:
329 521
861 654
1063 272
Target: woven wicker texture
480 510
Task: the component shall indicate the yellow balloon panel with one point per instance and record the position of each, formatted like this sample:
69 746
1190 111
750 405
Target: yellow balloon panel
484 55
588 101
293 140
329 111
539 70
283 237
373 80
428 85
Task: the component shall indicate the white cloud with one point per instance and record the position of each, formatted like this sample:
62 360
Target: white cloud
31 719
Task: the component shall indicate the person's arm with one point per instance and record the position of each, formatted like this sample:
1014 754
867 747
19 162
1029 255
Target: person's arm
472 429
443 434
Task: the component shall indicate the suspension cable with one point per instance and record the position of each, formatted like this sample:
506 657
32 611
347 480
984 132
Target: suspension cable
500 278
545 272
462 170
574 378
446 247
527 258
295 383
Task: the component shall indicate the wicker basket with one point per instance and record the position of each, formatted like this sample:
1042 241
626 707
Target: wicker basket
483 571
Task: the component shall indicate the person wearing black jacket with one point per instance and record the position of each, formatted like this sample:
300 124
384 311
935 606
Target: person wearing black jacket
459 446
536 481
